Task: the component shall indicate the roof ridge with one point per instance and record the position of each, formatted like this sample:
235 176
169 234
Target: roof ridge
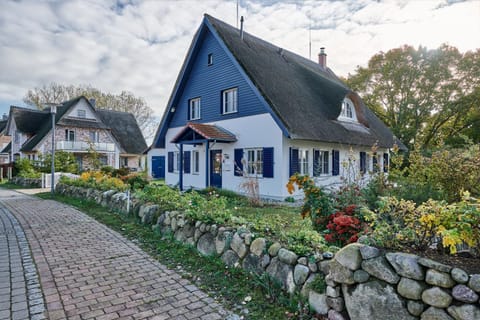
28 109
102 109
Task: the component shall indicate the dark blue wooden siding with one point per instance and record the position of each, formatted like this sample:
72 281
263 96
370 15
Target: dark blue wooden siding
207 82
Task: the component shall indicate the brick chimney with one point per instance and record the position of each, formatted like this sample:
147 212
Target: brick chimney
322 58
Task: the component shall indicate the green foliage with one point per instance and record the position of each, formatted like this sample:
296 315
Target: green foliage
318 284
442 175
96 180
424 96
317 204
26 169
64 162
211 209
305 242
167 198
135 180
401 223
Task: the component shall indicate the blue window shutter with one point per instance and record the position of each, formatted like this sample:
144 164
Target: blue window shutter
268 162
170 161
316 167
363 162
294 168
385 162
186 161
335 162
238 165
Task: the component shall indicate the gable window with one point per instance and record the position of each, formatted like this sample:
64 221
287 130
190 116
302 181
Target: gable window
303 161
229 101
254 161
194 109
210 59
348 111
17 136
69 135
320 162
195 162
94 136
81 113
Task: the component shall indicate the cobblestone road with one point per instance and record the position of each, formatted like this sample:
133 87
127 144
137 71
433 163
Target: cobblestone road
86 270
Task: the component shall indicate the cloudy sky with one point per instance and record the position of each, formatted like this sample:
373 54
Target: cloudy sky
139 45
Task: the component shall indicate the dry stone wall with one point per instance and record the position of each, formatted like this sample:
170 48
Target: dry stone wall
362 281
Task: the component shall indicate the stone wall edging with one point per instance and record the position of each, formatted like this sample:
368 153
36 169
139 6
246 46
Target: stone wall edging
362 281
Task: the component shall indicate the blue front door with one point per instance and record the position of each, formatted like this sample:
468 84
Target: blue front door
158 167
216 168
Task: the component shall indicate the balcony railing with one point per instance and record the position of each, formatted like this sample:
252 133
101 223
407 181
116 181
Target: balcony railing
85 146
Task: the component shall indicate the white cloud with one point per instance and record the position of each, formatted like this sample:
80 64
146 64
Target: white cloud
140 45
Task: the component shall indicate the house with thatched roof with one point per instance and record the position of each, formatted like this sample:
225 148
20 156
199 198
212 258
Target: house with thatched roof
81 129
244 108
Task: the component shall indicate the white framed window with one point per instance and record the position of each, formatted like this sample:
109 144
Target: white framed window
254 161
195 162
320 162
17 136
303 161
348 111
210 59
94 136
176 161
81 113
194 109
229 101
69 135
103 160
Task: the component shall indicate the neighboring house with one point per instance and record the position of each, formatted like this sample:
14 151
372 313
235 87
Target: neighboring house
242 107
4 141
79 129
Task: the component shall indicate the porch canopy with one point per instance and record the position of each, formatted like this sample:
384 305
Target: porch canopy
200 133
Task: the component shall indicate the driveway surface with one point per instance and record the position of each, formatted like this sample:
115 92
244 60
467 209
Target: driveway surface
58 263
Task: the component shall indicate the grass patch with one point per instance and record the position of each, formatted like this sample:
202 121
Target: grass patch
7 185
231 286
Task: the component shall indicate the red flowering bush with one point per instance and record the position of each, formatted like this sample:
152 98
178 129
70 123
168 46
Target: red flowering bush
343 227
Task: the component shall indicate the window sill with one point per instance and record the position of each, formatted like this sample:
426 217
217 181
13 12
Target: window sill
231 112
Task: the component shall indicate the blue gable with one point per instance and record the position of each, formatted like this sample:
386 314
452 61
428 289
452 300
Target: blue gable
198 79
208 82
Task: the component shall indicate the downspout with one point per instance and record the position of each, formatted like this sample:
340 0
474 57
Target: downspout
207 174
180 170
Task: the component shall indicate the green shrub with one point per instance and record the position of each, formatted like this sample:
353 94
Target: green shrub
135 180
64 162
317 205
211 209
401 223
167 198
25 169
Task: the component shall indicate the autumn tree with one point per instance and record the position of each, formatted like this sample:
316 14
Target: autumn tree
125 101
425 96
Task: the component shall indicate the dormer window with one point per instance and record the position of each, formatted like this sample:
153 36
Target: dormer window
348 111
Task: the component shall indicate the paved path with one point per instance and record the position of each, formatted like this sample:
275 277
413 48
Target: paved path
86 270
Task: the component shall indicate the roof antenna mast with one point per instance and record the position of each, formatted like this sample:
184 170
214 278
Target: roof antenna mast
237 14
241 27
310 40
